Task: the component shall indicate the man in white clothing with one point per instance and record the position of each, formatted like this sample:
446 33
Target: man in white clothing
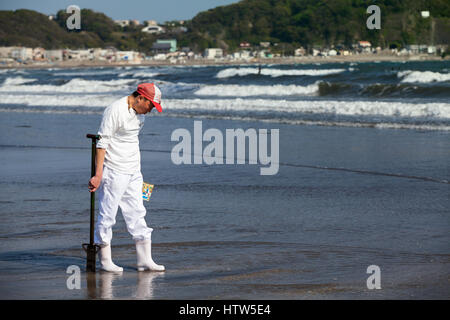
118 175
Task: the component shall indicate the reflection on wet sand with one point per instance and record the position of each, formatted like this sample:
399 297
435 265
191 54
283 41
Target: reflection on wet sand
107 282
144 289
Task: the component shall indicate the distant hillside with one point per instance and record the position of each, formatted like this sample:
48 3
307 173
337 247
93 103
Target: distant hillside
290 23
33 29
320 22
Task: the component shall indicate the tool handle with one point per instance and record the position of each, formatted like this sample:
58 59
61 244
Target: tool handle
93 136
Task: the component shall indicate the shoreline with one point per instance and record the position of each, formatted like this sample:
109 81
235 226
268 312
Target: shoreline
193 235
217 62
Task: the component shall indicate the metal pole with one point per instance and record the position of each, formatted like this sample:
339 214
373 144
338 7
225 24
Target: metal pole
91 248
93 153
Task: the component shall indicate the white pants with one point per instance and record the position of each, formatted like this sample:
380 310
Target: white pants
124 191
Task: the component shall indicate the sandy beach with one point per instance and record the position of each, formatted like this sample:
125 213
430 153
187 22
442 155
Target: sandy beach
254 61
224 231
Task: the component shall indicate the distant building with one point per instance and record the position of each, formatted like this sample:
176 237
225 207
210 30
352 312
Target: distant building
425 14
431 50
316 52
161 48
78 55
21 53
241 55
264 44
364 44
261 54
135 22
179 30
153 29
299 52
413 48
39 54
150 23
332 52
128 56
213 53
244 44
172 42
5 52
122 23
100 54
54 55
160 56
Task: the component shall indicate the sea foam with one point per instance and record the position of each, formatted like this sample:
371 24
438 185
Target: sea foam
76 85
351 108
423 76
257 90
232 72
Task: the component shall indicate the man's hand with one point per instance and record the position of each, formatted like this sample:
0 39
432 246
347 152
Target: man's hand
94 183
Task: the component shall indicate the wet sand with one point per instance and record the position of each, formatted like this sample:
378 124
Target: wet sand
225 232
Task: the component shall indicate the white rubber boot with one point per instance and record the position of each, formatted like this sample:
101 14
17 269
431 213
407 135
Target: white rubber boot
144 257
106 263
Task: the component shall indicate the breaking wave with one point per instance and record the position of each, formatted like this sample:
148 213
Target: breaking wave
383 90
257 90
245 106
233 72
423 76
76 85
364 108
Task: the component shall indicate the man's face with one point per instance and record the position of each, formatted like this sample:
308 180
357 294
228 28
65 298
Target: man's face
143 105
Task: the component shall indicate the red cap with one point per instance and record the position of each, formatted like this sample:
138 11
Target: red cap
152 93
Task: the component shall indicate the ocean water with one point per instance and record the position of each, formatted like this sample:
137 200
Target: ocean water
382 94
363 180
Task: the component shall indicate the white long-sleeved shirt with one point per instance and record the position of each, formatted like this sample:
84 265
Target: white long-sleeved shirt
119 132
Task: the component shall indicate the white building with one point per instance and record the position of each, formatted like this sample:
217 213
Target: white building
5 52
153 29
39 54
54 55
315 52
431 50
100 54
21 53
160 56
261 54
365 46
83 54
299 52
213 53
128 56
332 52
122 23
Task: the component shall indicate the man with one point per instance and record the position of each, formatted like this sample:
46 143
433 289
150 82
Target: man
118 175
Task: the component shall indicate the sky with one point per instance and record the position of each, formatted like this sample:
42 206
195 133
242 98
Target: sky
159 10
